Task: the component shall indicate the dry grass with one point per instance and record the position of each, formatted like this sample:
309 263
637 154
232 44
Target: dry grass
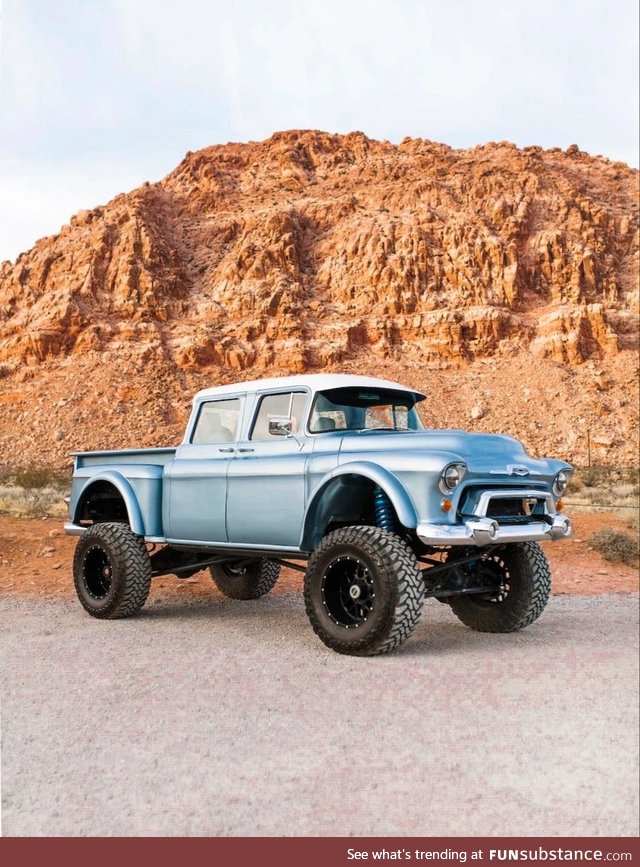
33 492
39 478
604 486
32 503
614 545
606 477
633 521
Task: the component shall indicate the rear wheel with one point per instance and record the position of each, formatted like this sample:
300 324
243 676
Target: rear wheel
521 575
245 579
111 571
363 591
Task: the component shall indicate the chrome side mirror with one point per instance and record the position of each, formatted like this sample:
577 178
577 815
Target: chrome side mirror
280 427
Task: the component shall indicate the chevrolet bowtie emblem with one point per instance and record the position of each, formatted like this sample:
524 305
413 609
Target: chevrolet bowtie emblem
516 470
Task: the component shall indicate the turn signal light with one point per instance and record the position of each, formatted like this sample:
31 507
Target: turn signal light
559 505
446 505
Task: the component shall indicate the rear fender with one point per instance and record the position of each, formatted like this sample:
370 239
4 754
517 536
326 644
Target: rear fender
124 488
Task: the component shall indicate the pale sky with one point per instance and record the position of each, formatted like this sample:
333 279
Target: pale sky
97 96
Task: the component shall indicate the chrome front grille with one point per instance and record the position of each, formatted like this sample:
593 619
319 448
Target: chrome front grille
514 507
507 505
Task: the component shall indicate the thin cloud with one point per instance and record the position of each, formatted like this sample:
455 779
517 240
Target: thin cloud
129 87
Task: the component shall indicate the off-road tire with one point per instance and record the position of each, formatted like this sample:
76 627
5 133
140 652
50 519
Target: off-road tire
111 571
528 576
393 583
252 581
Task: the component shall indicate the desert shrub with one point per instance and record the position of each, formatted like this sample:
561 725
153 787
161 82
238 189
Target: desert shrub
37 477
575 485
593 477
633 522
614 545
631 476
603 476
36 506
34 503
622 492
597 495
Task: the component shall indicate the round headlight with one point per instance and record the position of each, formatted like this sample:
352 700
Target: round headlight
560 483
451 477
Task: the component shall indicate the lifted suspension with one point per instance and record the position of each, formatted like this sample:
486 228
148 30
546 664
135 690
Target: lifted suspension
453 582
385 516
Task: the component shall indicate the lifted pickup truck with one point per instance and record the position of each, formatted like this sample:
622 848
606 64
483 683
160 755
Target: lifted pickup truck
335 476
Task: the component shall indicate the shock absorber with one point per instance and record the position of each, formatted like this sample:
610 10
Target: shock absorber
385 516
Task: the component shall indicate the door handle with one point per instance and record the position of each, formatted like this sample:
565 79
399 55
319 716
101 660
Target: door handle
246 450
225 450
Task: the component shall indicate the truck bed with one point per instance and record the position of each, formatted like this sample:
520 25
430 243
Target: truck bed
158 456
137 474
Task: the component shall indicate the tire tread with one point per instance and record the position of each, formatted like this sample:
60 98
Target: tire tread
390 554
532 596
251 586
132 558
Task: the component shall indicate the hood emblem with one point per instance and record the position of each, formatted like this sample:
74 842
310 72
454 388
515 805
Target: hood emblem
517 470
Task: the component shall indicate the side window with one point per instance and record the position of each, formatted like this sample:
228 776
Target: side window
217 422
287 405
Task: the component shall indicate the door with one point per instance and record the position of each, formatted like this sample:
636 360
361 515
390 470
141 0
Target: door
265 482
198 475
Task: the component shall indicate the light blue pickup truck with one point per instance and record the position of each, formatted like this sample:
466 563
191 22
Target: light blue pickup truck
335 476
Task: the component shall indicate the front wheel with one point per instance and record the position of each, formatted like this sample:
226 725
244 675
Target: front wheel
248 579
522 577
363 591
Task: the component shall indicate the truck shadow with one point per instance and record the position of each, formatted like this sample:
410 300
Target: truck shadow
437 633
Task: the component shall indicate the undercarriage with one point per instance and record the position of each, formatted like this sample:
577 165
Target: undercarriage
446 572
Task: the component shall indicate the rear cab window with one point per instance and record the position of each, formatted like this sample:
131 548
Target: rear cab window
218 421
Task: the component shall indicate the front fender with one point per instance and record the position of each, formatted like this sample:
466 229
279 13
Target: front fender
126 491
390 484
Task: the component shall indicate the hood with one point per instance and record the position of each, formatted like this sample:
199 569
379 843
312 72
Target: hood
481 452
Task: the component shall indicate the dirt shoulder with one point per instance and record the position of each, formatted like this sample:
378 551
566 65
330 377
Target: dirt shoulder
36 557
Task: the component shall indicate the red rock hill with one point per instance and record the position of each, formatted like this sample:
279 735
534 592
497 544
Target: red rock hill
501 281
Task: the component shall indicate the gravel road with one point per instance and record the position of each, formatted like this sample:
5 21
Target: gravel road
227 718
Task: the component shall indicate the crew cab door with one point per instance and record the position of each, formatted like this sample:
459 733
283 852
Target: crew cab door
197 488
266 478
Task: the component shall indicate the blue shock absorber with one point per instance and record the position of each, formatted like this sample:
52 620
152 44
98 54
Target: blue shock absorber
385 516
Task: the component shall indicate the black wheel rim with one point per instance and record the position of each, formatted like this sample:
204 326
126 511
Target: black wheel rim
493 572
234 570
348 593
97 572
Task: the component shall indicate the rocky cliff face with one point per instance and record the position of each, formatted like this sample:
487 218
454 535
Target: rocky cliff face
503 281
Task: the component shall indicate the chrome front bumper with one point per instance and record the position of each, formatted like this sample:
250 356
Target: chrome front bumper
481 530
486 531
74 529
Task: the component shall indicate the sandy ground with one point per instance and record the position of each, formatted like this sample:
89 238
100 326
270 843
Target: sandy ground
213 717
205 716
35 560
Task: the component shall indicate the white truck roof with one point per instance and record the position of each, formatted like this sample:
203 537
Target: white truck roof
313 381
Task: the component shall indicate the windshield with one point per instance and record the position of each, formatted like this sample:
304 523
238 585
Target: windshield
363 409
